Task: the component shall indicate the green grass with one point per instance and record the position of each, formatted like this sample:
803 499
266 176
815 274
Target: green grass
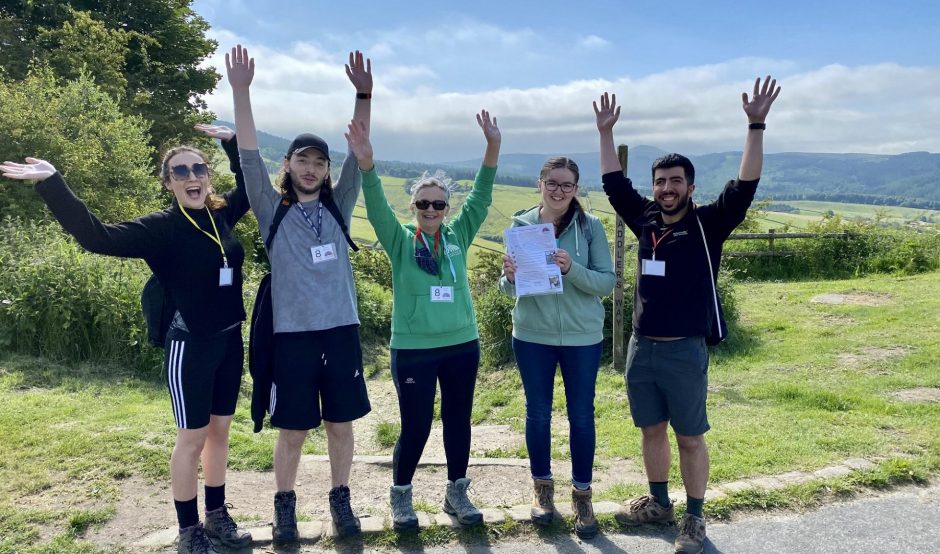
800 386
386 433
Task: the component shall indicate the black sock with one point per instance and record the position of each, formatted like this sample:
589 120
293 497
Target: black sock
694 506
187 512
215 497
660 491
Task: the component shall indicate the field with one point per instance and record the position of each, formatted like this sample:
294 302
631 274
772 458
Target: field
818 372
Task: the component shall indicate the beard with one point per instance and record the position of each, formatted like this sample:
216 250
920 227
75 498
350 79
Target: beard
681 204
302 187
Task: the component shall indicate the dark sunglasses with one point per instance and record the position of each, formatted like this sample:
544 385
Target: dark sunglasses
182 172
424 204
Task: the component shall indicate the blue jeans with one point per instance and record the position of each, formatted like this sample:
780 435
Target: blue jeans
537 363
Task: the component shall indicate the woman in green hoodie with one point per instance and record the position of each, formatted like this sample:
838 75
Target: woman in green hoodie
434 328
562 329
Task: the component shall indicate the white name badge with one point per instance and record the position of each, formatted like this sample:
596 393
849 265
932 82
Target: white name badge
323 253
654 267
225 276
442 294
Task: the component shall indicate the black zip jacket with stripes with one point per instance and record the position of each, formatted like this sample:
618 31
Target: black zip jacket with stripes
679 304
185 260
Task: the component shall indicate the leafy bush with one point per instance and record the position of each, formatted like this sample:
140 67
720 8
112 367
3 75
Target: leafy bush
102 152
375 311
372 265
58 301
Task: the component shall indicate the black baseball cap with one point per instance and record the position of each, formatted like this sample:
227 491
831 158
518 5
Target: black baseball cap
305 141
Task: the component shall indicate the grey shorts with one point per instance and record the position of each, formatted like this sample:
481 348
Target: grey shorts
668 381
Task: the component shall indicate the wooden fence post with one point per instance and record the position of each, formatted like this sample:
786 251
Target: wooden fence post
620 357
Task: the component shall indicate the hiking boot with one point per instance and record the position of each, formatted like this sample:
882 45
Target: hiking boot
193 540
457 504
221 526
346 523
645 509
691 538
403 512
543 501
285 519
585 524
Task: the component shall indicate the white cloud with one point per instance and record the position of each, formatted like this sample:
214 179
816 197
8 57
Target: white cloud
594 42
884 108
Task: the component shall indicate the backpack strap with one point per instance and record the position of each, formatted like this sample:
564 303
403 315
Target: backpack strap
334 211
279 214
586 229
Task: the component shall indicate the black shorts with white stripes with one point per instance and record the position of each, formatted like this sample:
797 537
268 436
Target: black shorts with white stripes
203 374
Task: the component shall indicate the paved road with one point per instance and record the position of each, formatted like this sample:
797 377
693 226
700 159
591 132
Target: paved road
906 520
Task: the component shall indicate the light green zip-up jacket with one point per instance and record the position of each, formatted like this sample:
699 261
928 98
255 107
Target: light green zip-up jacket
416 321
576 316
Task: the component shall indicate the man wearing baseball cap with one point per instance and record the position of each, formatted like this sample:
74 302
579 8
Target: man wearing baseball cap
317 361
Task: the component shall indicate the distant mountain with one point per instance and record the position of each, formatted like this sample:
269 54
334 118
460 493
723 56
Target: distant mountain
911 179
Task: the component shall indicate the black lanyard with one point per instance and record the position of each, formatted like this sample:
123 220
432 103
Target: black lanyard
316 228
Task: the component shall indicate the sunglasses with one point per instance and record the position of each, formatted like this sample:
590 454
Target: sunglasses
182 172
439 205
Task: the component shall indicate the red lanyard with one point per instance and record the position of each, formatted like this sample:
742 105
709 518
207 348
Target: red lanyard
437 240
656 241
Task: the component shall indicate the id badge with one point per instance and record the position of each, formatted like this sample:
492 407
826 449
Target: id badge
225 276
323 253
442 294
654 267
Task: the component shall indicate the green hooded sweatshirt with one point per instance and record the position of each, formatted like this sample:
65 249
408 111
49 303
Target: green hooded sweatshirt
418 323
576 316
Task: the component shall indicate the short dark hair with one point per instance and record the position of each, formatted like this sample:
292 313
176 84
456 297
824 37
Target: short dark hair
675 160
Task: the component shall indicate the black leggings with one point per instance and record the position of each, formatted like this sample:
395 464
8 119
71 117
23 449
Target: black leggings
415 374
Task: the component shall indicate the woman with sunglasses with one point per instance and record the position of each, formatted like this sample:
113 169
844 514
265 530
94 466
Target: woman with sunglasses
562 329
195 255
434 328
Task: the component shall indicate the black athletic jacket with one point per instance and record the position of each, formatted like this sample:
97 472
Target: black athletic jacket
679 304
185 260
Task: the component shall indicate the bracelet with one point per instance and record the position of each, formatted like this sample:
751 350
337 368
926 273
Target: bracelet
363 95
760 126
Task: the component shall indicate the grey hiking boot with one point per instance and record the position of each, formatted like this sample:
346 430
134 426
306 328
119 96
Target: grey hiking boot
346 523
221 526
585 524
457 504
403 512
645 509
193 540
543 501
285 519
691 538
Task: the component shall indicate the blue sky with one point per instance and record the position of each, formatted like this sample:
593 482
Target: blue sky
857 76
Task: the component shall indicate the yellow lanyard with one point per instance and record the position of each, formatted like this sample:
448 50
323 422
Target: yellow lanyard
216 239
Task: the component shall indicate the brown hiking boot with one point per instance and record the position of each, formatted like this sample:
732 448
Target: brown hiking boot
645 509
585 524
691 538
543 501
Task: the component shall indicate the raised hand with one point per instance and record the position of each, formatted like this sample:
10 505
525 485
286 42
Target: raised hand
757 107
562 260
33 170
490 127
215 131
239 67
359 72
608 114
358 139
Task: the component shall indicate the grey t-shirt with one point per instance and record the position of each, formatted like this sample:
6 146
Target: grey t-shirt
307 296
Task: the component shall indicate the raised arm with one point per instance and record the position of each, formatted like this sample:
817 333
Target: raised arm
132 239
241 70
756 109
607 116
388 229
237 199
359 71
474 209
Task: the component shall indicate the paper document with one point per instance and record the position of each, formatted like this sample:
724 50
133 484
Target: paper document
532 247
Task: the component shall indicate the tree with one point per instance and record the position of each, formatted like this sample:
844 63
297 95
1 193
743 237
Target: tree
103 152
146 52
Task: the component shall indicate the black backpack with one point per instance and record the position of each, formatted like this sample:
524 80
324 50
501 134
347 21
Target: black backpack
158 309
261 331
